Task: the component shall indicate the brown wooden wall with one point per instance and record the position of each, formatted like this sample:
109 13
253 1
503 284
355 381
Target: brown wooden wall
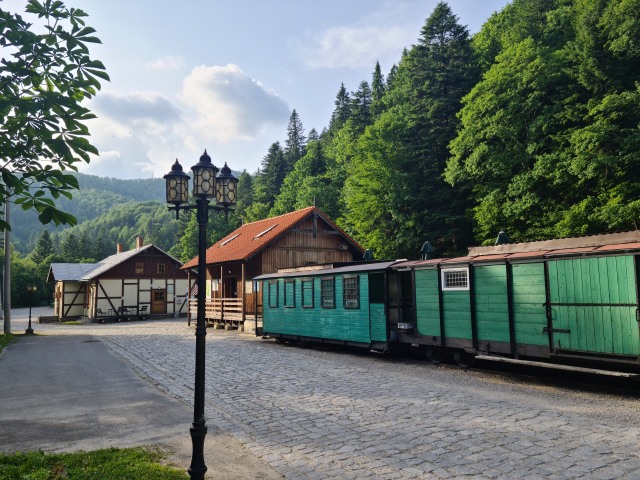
149 260
299 247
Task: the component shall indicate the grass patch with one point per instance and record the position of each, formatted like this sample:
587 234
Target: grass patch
5 339
108 464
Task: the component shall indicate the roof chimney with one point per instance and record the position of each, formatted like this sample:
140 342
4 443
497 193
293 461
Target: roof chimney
139 242
119 248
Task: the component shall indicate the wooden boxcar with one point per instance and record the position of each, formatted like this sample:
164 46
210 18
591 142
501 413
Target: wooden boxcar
561 301
335 304
566 303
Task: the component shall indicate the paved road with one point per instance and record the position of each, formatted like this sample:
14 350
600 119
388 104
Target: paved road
69 392
323 415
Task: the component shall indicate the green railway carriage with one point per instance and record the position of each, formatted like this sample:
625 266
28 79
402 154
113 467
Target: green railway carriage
565 301
334 304
538 300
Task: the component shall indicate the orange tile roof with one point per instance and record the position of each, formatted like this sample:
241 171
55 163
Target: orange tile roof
251 238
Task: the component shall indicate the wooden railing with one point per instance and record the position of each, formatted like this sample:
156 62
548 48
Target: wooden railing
219 309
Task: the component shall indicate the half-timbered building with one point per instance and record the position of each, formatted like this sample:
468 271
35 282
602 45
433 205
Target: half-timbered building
305 237
130 284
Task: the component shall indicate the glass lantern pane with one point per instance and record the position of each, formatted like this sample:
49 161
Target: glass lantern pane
203 182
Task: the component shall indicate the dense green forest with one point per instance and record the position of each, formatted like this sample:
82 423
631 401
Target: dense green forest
530 126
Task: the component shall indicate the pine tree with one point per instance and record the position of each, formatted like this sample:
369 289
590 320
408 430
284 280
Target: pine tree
273 170
245 193
342 112
378 88
391 77
69 247
361 107
296 141
313 136
43 248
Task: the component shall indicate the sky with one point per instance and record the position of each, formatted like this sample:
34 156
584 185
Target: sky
225 75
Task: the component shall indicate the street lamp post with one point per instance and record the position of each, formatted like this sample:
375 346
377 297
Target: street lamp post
31 289
223 188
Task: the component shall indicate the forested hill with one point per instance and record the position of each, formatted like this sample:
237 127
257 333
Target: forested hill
96 196
530 126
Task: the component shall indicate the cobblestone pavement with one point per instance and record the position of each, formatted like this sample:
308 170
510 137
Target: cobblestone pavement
313 414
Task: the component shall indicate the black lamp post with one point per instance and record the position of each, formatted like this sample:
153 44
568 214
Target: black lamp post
206 185
31 289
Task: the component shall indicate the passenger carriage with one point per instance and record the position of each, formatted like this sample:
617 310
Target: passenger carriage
337 303
561 300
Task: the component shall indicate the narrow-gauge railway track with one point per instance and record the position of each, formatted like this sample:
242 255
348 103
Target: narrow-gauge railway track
555 375
564 376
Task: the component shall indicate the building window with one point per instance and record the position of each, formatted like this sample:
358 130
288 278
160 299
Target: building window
139 268
289 294
273 294
160 268
307 293
351 292
455 279
327 293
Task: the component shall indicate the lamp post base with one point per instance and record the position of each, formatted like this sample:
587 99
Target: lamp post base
198 467
29 330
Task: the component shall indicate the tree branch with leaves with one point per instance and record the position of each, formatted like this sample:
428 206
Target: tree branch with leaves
45 75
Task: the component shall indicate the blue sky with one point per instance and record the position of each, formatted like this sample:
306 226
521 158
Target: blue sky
225 75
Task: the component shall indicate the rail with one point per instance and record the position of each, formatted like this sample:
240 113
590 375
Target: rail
218 308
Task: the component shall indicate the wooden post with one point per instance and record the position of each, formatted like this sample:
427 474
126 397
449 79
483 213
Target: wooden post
188 298
244 306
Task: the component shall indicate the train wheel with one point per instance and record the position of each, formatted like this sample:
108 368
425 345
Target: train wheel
434 356
464 359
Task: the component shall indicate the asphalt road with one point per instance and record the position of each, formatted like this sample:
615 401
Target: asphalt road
69 392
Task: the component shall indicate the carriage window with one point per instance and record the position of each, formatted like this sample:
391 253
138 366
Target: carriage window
327 293
273 294
455 279
376 288
289 293
307 293
351 292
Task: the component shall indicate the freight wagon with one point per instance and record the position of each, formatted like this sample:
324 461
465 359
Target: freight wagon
560 301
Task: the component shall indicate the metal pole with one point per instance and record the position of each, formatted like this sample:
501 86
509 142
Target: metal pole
199 430
7 272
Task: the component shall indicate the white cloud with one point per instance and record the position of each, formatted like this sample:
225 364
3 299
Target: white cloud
225 104
379 36
137 106
139 134
166 63
354 46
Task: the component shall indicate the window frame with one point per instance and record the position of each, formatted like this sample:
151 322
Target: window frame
351 290
305 282
161 266
332 281
271 284
139 268
455 288
289 302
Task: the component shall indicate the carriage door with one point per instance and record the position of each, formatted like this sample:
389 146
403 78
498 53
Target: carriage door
593 305
400 299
